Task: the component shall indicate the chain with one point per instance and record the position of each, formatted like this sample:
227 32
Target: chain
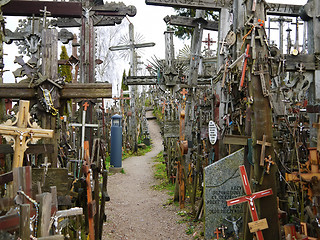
35 203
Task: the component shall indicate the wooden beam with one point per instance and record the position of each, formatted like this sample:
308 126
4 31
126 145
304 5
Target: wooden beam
30 8
69 91
283 9
87 90
198 4
6 178
32 148
236 140
190 22
308 61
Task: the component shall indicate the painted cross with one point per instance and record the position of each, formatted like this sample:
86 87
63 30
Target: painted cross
223 228
249 198
83 125
217 233
263 144
209 41
184 92
269 163
19 132
244 66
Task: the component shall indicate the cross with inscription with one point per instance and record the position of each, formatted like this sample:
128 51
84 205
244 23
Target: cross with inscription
263 144
249 198
20 134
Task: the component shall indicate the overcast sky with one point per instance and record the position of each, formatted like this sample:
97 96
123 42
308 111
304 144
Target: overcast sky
147 22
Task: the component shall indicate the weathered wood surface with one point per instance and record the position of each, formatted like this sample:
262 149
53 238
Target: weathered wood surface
69 91
24 232
32 149
190 22
44 200
236 140
69 212
53 177
308 61
30 8
199 4
283 9
6 177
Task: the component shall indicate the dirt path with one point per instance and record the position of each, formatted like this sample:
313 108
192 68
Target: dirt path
136 211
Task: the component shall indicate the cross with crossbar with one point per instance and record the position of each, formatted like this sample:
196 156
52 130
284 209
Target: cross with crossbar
249 198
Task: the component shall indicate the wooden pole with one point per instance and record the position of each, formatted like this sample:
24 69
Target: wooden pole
24 233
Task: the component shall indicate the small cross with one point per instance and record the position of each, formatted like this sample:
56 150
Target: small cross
263 144
45 13
85 106
269 163
163 105
244 67
209 41
249 198
222 228
261 73
217 233
184 92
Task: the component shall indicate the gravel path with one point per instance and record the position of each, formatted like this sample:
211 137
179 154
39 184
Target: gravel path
136 211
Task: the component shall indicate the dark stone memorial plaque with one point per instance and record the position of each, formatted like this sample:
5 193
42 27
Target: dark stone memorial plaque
222 182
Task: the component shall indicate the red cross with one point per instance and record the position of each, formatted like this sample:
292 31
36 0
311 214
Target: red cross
249 198
86 105
244 67
184 92
209 41
217 232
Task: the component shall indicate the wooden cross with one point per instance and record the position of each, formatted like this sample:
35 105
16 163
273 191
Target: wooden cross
209 41
261 73
249 198
19 132
263 144
45 14
217 233
163 106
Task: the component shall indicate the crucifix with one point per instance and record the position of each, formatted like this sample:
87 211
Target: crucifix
249 198
20 134
223 228
83 126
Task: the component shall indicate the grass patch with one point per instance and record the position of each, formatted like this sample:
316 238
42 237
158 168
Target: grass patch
160 174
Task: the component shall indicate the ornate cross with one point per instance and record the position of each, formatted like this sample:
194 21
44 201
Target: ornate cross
223 228
249 198
20 134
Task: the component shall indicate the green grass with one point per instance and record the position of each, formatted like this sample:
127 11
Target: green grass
160 173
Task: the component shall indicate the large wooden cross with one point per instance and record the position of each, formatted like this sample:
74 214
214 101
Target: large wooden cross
249 198
19 132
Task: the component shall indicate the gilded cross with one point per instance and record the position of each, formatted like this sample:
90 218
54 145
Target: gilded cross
20 134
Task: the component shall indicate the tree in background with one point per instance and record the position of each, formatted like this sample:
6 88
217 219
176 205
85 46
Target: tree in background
107 37
186 32
123 86
65 70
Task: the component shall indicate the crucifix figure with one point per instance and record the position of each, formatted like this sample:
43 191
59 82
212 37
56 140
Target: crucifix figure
249 198
20 134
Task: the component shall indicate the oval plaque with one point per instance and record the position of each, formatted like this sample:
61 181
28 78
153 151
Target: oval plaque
213 132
